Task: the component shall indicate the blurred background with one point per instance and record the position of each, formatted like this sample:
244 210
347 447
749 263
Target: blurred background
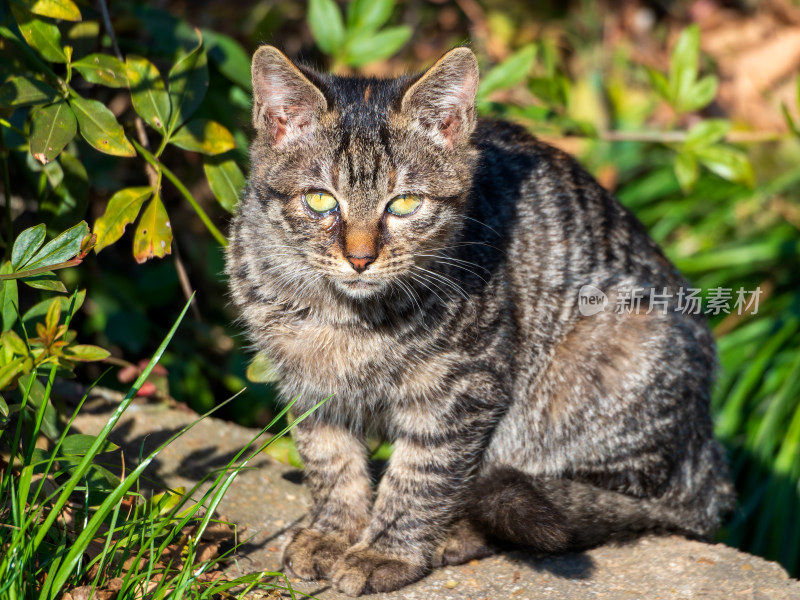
686 110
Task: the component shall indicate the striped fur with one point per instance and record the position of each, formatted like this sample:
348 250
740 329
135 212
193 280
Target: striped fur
514 418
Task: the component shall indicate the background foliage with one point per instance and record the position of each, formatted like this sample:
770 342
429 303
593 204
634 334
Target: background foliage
115 127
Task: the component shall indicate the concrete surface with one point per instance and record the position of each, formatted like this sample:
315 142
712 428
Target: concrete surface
269 499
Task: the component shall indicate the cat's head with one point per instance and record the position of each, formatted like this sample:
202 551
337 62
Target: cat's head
357 183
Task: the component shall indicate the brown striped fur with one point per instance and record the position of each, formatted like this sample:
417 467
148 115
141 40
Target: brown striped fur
514 418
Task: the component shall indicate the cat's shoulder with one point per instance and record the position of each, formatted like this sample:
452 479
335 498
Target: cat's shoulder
507 143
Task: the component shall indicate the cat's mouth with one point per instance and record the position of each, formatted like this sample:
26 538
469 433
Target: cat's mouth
360 284
360 288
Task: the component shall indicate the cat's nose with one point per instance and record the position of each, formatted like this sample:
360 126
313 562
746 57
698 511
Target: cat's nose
360 263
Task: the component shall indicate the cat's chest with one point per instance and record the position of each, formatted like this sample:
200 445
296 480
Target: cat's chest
332 359
325 356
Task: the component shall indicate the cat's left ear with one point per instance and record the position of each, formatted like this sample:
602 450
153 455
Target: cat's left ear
442 101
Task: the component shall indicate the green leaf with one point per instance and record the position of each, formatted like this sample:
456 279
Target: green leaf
66 10
700 94
369 47
68 201
160 505
60 249
728 163
10 370
3 412
85 353
15 343
797 92
660 84
45 281
53 172
188 82
78 444
153 236
706 133
789 120
284 451
368 15
122 209
326 24
509 72
686 171
50 426
8 298
99 127
226 180
42 36
683 64
261 370
22 91
26 245
103 69
229 56
202 135
52 128
148 93
40 309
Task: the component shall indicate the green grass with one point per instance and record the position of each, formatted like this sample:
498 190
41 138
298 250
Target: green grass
57 508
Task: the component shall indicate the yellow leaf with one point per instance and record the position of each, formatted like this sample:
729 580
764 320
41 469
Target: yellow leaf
122 209
154 233
55 9
202 135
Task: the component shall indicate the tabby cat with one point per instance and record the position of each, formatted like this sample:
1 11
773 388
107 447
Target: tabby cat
422 266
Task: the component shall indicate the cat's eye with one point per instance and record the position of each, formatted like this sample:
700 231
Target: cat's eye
404 204
320 202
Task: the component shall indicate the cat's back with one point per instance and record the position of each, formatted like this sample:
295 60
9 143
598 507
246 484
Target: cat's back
551 219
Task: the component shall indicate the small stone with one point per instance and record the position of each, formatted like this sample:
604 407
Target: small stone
451 583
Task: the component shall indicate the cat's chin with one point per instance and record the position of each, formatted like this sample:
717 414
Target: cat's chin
360 289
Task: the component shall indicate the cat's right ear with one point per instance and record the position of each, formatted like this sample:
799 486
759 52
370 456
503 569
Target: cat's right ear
442 101
286 105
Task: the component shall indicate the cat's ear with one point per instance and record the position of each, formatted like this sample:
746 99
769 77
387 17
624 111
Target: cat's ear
442 101
286 105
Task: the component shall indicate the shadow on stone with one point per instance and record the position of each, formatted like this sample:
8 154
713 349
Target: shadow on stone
295 477
573 565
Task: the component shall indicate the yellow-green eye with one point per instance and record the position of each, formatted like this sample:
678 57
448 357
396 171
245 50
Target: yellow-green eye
320 202
403 205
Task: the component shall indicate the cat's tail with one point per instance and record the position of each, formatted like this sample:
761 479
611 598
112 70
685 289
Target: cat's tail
555 515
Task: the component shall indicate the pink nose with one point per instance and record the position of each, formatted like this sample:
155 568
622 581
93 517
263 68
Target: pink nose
360 263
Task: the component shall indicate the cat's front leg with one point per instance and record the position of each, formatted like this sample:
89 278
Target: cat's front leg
422 492
336 474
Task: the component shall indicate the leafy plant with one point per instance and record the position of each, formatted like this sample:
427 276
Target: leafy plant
21 355
362 39
57 112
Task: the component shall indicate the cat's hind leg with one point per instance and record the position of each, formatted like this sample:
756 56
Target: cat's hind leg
465 542
556 515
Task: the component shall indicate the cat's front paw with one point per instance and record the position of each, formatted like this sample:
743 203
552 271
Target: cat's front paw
311 554
367 571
